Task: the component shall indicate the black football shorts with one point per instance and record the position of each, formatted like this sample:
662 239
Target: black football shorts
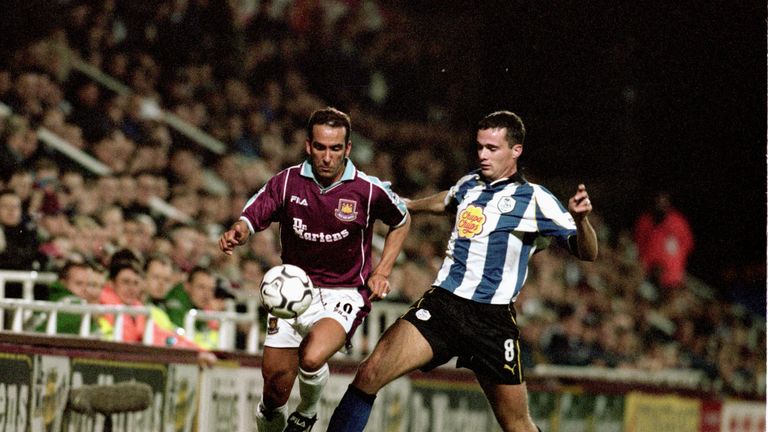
483 336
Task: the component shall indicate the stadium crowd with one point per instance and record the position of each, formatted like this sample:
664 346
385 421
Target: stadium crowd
250 77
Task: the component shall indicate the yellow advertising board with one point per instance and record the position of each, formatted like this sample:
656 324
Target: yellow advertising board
655 413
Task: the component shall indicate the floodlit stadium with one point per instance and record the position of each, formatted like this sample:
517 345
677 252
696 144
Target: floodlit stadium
134 133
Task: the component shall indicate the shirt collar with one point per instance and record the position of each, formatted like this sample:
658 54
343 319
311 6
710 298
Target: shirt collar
349 171
517 177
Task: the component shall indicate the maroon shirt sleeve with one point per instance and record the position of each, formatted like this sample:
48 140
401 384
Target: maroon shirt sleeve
387 205
261 210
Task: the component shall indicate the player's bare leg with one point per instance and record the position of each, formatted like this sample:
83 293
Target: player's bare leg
279 371
325 338
400 350
510 405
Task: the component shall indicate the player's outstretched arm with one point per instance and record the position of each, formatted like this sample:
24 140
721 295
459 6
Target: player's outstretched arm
580 206
378 282
236 236
431 204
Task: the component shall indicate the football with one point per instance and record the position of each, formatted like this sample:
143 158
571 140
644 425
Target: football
286 291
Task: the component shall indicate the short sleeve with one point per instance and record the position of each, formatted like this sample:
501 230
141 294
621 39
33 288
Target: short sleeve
261 209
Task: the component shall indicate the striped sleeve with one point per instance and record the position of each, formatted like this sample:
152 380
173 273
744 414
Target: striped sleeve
457 192
552 219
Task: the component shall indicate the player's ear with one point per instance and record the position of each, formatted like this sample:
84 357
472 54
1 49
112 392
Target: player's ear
517 150
308 146
348 148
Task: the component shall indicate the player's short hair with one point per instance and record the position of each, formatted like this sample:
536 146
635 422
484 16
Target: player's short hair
332 117
505 119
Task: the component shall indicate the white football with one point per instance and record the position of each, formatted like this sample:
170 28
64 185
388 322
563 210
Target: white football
286 291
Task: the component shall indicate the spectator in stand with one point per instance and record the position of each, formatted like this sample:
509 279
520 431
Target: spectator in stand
107 191
185 169
22 181
71 188
18 237
115 150
127 196
88 113
45 193
78 283
112 219
197 292
124 287
138 232
214 212
25 99
18 145
566 346
664 241
158 280
159 275
146 189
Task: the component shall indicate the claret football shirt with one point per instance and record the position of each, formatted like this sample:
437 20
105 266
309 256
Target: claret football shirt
326 231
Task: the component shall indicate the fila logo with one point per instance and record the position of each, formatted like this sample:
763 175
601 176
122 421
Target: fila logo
299 201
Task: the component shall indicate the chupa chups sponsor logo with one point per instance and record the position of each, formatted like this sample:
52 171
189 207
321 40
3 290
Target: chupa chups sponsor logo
471 221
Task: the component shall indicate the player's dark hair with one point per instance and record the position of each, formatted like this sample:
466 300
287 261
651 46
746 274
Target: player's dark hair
505 119
332 117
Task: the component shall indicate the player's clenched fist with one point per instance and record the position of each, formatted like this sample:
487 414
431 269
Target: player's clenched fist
579 205
236 236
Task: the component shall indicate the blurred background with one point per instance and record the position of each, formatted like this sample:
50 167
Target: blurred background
628 98
637 100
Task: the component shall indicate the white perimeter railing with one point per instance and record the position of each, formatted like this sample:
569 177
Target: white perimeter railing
27 279
23 309
363 342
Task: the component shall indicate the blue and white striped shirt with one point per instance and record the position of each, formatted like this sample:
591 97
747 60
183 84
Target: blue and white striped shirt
499 226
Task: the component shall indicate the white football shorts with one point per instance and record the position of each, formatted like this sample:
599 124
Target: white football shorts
344 305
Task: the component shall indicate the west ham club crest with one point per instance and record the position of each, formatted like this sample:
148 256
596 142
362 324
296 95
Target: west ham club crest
346 211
